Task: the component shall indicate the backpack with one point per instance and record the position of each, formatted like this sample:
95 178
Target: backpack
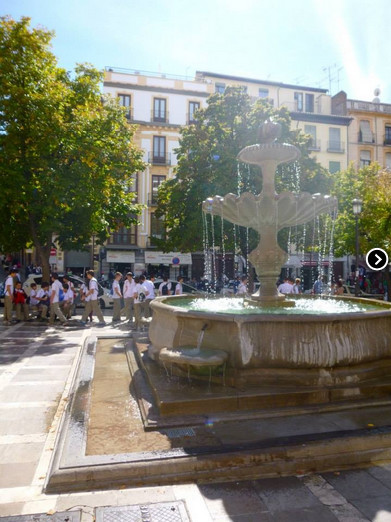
165 289
61 295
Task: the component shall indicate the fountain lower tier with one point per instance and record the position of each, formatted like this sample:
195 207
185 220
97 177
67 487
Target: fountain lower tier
291 349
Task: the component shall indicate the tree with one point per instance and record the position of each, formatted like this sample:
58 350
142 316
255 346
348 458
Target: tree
207 165
66 154
373 186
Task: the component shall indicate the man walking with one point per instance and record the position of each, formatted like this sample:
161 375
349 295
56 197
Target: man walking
91 300
55 309
129 289
117 296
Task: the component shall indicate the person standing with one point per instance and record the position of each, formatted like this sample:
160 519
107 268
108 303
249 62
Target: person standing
91 300
179 286
55 309
297 286
165 287
286 287
139 295
242 288
67 303
150 286
128 290
9 296
117 296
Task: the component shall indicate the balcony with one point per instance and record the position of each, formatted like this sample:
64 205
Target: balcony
303 108
314 145
159 159
336 146
124 239
159 116
366 138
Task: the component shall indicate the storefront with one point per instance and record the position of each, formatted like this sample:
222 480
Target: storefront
170 264
120 260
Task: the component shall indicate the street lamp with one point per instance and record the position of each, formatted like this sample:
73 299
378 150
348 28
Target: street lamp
357 207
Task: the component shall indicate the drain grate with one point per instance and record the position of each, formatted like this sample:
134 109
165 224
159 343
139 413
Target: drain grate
66 516
160 512
179 432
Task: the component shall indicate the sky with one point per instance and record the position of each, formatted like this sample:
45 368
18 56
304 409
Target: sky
332 44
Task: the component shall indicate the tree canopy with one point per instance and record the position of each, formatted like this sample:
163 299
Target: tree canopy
207 164
372 185
66 154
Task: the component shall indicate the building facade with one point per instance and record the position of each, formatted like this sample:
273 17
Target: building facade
160 105
310 110
369 136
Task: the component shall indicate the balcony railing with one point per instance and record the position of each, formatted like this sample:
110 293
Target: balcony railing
159 116
314 144
364 162
336 146
159 159
122 239
366 139
307 109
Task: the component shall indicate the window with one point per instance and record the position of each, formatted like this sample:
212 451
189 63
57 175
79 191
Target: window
263 93
335 144
159 109
159 149
365 158
243 88
311 130
193 107
158 229
298 101
124 101
309 103
220 88
157 180
365 134
124 236
387 135
334 166
388 160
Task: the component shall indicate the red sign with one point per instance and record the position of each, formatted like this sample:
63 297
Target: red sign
53 252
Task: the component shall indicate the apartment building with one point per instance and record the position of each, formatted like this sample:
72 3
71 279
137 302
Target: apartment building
310 110
369 136
159 104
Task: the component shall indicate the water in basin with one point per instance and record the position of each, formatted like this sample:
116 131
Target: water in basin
319 305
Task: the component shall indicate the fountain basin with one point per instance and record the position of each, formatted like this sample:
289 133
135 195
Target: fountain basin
281 341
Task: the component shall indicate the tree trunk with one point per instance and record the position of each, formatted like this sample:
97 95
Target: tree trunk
43 250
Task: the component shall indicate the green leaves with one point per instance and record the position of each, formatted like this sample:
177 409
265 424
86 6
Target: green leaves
207 164
67 156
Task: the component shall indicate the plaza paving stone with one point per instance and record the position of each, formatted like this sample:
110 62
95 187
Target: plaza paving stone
28 424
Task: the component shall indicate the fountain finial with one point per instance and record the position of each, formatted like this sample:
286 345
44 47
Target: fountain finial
269 131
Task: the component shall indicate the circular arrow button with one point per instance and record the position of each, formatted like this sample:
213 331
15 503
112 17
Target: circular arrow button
377 259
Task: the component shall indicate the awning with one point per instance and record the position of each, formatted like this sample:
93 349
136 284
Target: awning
167 258
120 256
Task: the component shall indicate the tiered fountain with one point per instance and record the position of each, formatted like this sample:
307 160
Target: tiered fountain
267 341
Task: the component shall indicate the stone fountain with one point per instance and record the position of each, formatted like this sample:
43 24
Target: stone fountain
269 342
268 212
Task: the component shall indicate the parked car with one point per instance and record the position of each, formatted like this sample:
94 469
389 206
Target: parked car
105 299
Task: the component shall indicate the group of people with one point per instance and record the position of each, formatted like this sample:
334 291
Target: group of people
57 299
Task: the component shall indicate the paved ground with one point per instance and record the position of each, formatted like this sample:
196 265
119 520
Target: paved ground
36 366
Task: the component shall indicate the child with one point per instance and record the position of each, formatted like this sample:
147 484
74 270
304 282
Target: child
44 301
67 303
34 302
20 301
